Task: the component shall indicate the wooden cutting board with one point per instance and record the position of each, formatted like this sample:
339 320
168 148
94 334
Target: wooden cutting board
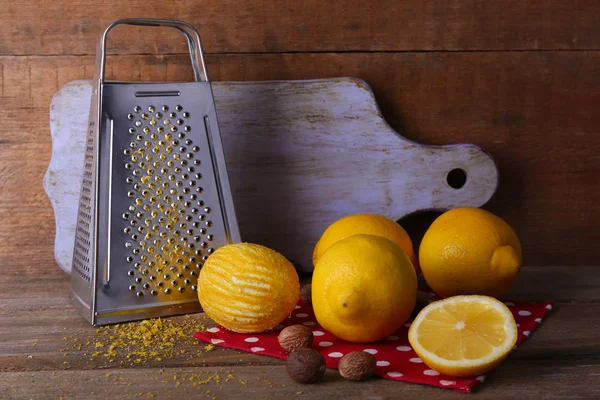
300 155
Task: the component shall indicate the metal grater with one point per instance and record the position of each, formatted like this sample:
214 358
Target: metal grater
155 199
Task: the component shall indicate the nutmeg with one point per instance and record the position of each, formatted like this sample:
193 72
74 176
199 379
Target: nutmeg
306 294
305 365
357 365
295 336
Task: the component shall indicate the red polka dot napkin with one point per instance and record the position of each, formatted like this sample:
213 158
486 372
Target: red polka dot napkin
396 360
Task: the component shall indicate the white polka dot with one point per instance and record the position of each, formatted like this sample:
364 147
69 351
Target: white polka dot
213 330
480 378
524 313
518 325
416 360
431 372
392 337
509 303
318 333
403 348
251 340
395 374
383 363
447 383
538 320
301 315
431 294
335 354
297 307
370 351
526 333
325 344
309 323
216 341
407 324
279 327
549 307
256 349
515 347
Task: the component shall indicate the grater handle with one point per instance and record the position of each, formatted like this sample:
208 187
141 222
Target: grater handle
190 33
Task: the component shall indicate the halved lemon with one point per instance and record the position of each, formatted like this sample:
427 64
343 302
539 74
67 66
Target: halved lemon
463 335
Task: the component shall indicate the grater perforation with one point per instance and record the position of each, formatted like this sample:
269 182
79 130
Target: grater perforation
162 177
83 237
155 199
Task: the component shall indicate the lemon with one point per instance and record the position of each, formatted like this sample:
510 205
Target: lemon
363 288
248 288
369 224
463 335
470 251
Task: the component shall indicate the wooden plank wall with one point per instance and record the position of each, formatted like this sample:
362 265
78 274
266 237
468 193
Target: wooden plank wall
521 79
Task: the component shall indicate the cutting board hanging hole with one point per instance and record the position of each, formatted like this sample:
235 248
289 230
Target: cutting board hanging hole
456 178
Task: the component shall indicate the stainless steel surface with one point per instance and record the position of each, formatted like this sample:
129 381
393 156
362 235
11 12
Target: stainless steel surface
154 193
188 31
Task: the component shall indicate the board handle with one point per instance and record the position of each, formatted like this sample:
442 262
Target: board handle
462 175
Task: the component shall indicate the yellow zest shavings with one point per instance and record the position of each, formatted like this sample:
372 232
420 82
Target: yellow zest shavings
137 343
153 341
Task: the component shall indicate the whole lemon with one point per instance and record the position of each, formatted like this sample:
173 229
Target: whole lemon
470 251
369 224
248 288
363 288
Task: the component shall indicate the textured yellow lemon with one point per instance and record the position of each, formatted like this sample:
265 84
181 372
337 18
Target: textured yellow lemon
248 288
470 251
368 224
463 335
363 288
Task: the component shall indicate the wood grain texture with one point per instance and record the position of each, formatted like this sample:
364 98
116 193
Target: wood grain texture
536 113
30 26
560 357
299 154
523 379
534 110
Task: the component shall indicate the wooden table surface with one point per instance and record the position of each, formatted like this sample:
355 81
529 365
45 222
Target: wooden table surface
519 78
40 331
